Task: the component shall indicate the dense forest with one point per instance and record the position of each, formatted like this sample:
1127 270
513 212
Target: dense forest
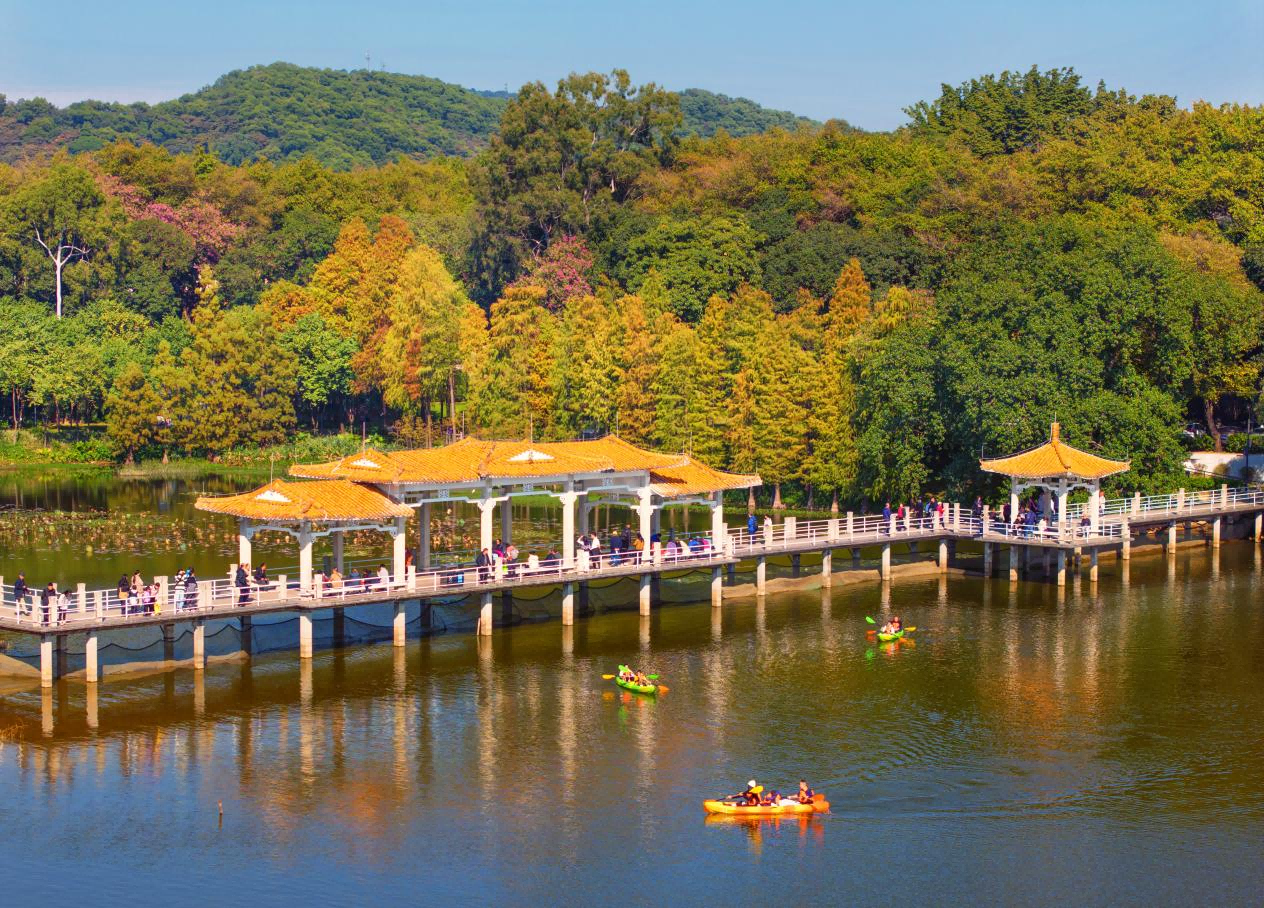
341 119
856 316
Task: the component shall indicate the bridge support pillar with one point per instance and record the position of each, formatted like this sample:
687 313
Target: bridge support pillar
796 565
304 635
1259 527
1062 566
827 567
761 574
199 643
168 642
568 603
886 561
943 556
1092 565
47 672
987 559
247 635
855 558
91 664
717 587
1170 546
645 594
1125 545
1013 563
485 615
399 626
732 573
1215 532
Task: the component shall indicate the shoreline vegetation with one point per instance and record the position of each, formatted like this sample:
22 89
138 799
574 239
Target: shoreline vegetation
856 317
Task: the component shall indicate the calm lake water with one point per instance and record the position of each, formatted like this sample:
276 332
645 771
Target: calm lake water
1103 746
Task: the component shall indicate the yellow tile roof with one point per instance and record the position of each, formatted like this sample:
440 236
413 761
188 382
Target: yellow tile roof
281 501
475 460
693 478
1055 458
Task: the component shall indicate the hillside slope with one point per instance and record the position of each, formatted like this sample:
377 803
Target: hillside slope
343 119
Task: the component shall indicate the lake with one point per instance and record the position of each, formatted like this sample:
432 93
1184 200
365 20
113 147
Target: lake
1098 746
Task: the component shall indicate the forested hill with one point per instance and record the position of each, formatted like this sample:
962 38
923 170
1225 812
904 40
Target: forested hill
342 119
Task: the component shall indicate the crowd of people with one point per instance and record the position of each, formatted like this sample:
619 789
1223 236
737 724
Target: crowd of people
133 596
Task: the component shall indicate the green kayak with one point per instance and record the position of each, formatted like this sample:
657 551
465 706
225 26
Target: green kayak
639 688
887 638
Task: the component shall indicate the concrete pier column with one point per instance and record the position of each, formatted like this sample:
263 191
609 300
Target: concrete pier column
761 574
796 562
1062 565
422 556
568 603
987 559
1013 563
855 558
827 568
247 635
91 663
90 707
1125 543
717 587
399 626
567 500
399 552
644 594
1215 532
304 635
943 556
1259 527
885 569
168 642
47 670
485 616
199 643
337 542
1170 545
1092 564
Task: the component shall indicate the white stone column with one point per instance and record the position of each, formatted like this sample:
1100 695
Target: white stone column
1215 532
645 516
761 574
1062 560
1092 564
1095 509
1259 527
305 556
1013 499
827 568
485 616
581 514
304 635
423 538
1170 546
943 556
719 530
399 626
987 559
244 534
199 643
644 592
506 521
568 500
1224 494
1064 519
91 664
1136 504
81 596
717 586
1125 540
486 508
885 568
399 550
568 603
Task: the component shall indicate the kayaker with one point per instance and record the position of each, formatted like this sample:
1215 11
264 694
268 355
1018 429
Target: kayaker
751 794
806 794
772 799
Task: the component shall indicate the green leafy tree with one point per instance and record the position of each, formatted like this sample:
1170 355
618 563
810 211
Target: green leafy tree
517 399
132 412
323 358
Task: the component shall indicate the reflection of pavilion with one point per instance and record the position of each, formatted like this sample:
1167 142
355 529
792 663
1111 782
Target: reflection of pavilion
1056 468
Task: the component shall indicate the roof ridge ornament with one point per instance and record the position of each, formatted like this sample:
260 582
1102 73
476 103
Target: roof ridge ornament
531 455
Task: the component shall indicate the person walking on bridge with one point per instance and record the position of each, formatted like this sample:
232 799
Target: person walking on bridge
242 582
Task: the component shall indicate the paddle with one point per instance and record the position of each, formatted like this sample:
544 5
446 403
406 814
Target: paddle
869 620
607 677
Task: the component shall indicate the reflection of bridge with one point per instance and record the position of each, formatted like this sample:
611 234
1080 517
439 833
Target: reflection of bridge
90 612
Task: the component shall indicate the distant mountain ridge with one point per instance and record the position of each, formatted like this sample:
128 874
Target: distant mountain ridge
342 118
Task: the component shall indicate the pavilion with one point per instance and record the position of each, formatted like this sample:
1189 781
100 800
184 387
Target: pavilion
376 490
1056 468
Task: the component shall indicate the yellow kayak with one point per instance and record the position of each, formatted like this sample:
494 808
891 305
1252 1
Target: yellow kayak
819 805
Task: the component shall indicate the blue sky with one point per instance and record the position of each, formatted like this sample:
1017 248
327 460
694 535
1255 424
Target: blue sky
863 62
